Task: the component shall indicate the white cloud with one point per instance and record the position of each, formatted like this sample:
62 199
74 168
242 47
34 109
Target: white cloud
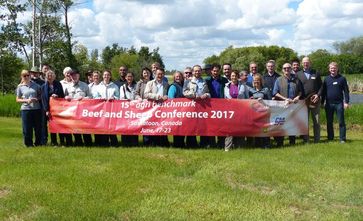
321 23
187 31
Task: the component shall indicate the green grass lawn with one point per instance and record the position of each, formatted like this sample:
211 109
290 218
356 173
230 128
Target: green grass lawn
310 182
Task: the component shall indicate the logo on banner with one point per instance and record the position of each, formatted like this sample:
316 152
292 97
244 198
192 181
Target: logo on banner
279 121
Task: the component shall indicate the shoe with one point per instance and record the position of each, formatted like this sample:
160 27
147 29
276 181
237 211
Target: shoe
226 150
342 141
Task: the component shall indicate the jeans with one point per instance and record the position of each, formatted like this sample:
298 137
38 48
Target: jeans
339 109
315 116
31 120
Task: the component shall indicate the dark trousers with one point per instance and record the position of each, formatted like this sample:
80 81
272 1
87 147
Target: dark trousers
178 141
31 120
191 141
207 141
65 139
161 141
129 140
87 139
339 109
106 140
280 140
44 128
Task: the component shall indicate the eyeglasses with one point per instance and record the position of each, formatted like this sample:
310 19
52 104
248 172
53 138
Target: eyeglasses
286 68
26 75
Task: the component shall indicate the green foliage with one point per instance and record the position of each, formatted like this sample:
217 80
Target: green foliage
128 60
240 58
348 63
310 182
10 68
352 46
9 107
10 34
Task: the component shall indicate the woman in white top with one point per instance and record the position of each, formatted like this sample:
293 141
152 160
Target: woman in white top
109 91
127 92
106 89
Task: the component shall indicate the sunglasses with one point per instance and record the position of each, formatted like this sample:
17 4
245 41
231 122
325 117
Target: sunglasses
187 72
26 75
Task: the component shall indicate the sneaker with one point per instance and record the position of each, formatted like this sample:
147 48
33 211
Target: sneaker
342 141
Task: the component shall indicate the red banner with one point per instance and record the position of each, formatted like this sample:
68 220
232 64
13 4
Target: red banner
181 116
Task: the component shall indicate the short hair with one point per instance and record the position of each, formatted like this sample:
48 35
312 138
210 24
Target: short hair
161 69
227 64
156 63
216 66
333 63
67 70
243 72
197 65
271 62
295 61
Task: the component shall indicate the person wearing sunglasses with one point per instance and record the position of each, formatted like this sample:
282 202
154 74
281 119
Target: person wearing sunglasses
28 94
289 89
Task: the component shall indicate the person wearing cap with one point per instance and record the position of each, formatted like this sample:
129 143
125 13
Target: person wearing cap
89 76
35 76
77 90
207 69
67 77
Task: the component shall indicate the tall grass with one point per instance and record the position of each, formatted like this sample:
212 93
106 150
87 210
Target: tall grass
8 106
355 82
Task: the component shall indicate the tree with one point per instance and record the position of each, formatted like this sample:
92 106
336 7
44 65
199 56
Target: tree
11 36
109 52
351 46
125 59
241 57
10 68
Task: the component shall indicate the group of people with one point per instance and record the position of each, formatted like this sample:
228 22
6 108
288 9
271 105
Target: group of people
218 82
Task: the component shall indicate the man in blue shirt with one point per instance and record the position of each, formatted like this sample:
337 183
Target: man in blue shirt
335 94
216 85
